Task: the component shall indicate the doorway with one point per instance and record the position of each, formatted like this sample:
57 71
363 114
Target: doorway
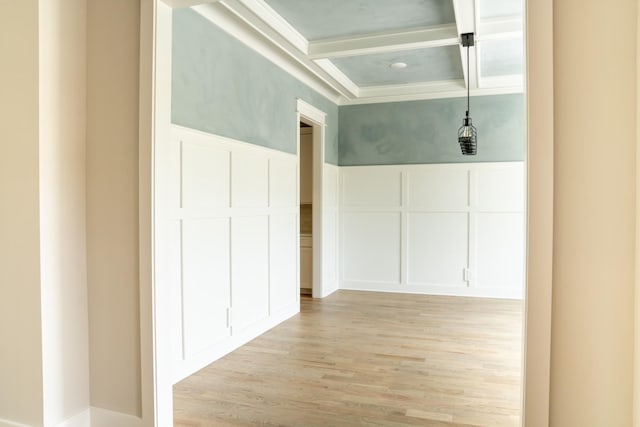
306 207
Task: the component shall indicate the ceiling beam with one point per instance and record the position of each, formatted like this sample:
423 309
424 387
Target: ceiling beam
442 35
466 22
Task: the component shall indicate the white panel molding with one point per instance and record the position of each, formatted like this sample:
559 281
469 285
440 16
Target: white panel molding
367 44
330 231
193 365
216 197
429 200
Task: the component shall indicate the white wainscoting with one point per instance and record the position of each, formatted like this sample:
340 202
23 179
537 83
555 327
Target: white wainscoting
330 217
450 229
227 243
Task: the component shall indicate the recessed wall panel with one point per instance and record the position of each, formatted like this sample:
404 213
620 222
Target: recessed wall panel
372 187
250 270
437 248
500 188
282 257
372 247
250 178
205 176
500 251
438 188
205 282
282 183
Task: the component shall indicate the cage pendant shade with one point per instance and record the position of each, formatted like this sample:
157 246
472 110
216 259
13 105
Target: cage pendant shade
468 137
467 134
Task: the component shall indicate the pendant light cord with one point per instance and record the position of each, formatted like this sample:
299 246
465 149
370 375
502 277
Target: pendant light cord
468 82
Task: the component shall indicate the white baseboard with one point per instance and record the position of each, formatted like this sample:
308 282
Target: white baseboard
105 418
7 423
91 417
83 419
456 291
233 342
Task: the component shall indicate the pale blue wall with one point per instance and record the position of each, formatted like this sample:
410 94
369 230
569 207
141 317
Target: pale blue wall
223 87
417 132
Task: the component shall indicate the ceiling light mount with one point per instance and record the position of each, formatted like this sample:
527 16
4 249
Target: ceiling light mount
467 134
398 65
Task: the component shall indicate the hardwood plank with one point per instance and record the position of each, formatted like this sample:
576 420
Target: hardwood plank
369 359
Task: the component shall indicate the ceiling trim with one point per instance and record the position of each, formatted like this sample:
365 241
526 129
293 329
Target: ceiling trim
382 94
466 14
227 19
257 25
277 23
437 36
500 28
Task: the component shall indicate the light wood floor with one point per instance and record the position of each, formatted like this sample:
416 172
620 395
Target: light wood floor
368 359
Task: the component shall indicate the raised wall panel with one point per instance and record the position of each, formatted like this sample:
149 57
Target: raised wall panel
500 188
249 270
205 174
437 248
250 179
366 187
283 260
282 183
205 283
438 188
500 251
372 247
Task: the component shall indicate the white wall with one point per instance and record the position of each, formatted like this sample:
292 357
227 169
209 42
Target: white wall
113 40
594 220
20 321
454 229
62 82
227 242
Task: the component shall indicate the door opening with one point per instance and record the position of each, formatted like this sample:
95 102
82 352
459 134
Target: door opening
306 208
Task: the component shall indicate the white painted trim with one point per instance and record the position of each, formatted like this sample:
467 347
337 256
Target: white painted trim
277 23
105 418
181 132
317 118
7 423
337 74
367 44
177 4
233 342
500 28
310 112
232 17
372 97
82 419
428 289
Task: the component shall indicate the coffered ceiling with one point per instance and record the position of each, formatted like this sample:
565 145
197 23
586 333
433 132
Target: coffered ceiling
352 45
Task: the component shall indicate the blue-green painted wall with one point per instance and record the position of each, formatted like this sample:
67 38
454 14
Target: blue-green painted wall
221 86
417 132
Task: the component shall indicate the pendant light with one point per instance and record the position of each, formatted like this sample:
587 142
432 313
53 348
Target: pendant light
467 134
